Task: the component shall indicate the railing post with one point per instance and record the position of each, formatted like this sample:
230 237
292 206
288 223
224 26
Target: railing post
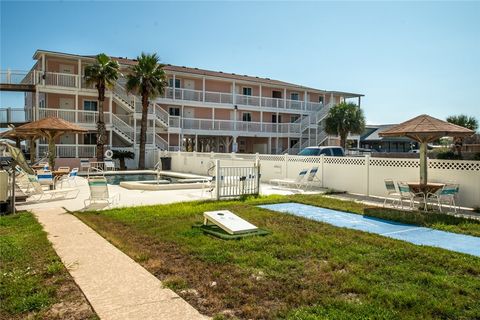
322 159
8 75
286 164
217 179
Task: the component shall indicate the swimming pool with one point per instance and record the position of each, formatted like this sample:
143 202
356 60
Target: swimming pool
406 232
118 178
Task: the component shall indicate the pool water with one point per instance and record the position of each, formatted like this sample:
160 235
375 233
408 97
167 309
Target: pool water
117 178
410 233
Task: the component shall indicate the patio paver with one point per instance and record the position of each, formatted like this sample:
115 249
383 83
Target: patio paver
115 285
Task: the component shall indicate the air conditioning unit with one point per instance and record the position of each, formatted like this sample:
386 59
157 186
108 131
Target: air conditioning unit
3 186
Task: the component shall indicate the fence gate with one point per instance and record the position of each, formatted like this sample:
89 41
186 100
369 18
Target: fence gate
236 181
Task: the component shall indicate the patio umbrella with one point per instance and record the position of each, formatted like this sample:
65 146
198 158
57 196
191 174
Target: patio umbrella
49 128
15 136
425 129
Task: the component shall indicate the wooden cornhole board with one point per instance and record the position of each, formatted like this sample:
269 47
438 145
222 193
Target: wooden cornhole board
229 222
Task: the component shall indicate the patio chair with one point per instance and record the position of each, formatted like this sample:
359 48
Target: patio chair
391 191
45 177
40 194
69 178
297 182
109 165
99 192
406 193
312 179
446 195
84 164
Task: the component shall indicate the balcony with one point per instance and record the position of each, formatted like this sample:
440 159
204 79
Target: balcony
209 97
239 126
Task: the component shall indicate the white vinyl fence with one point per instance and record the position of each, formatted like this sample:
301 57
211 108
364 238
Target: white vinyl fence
361 175
236 181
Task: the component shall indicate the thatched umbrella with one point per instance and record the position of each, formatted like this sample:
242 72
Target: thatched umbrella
425 129
49 128
15 136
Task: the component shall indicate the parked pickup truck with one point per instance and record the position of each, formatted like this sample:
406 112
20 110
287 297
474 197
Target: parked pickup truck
318 151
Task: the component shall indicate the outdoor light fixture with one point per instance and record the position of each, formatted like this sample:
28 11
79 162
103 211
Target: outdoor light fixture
235 107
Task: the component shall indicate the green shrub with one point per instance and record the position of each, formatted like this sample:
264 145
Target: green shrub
448 155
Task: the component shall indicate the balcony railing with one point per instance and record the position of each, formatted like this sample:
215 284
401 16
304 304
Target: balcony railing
61 79
15 115
80 116
239 126
71 150
238 99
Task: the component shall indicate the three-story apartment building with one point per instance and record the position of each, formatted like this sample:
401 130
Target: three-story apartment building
201 110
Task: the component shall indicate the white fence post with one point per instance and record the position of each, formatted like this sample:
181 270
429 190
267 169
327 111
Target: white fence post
367 167
322 158
217 179
286 165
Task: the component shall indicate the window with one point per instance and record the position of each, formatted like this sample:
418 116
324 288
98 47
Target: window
90 138
90 105
320 99
294 96
274 118
177 82
174 111
277 94
246 116
247 91
294 118
293 142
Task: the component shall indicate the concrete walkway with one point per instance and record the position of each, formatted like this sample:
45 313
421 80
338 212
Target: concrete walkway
116 286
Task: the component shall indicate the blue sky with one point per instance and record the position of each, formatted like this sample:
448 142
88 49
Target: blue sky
407 58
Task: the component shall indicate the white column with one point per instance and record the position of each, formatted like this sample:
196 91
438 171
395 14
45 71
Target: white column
359 98
79 73
213 118
173 85
203 88
76 145
43 69
305 100
269 146
110 138
260 96
76 106
234 96
196 142
154 132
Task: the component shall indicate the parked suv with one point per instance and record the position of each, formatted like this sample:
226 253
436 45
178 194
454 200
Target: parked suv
328 151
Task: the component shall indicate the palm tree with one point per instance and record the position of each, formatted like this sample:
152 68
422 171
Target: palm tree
103 74
463 121
345 118
147 79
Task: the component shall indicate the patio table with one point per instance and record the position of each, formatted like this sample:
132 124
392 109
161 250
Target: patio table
425 189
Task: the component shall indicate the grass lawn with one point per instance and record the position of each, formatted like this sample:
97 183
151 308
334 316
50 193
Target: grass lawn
33 281
303 270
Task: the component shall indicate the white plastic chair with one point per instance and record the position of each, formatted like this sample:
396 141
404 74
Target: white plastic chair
99 192
406 193
446 195
45 177
84 164
70 178
312 179
391 192
109 165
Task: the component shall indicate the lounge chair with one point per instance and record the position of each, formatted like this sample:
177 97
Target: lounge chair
40 194
99 192
312 179
69 178
45 177
446 195
297 182
391 192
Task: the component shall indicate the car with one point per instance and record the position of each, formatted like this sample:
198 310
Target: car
325 150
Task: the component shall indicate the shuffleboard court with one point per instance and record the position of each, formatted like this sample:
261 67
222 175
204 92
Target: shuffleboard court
406 232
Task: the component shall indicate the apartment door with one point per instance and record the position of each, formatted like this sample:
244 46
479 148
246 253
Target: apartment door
188 113
66 103
188 94
67 68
